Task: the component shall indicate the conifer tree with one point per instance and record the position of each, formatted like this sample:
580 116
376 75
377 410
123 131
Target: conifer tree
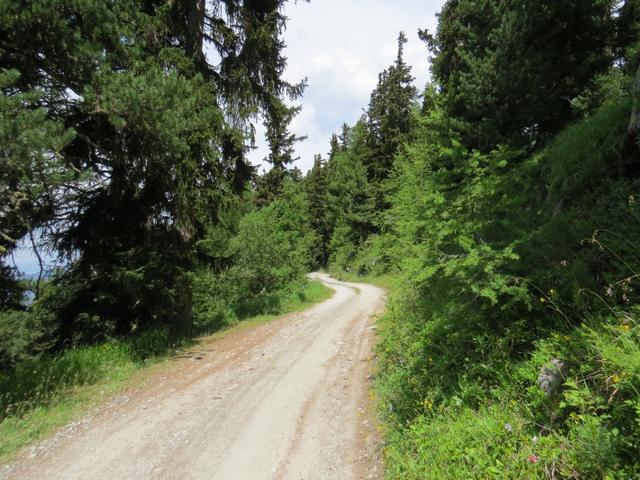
509 69
334 146
345 137
316 183
388 120
158 133
281 143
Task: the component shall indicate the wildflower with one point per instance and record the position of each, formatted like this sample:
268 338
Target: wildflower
542 299
532 459
615 379
508 427
428 403
609 291
566 338
632 199
564 263
552 292
625 327
535 439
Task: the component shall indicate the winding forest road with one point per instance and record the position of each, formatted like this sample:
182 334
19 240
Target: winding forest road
285 400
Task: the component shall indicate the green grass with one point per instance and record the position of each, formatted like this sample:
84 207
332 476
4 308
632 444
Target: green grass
454 412
42 395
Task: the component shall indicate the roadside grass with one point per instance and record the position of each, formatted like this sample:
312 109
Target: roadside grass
45 394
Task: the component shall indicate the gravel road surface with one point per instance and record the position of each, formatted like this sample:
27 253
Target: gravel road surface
285 400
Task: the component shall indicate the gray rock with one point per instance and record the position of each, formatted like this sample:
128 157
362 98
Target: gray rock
552 376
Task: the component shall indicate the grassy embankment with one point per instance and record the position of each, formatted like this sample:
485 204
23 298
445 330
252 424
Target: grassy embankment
43 395
474 431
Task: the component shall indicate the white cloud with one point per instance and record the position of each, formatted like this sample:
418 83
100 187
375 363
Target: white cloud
341 46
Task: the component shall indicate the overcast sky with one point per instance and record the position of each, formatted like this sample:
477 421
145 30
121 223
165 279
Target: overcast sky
341 46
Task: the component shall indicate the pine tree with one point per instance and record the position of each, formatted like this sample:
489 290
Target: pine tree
509 69
334 146
159 142
316 183
345 137
281 151
388 119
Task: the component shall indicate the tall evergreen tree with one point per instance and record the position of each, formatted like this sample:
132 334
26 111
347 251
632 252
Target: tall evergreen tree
509 69
388 119
334 146
316 183
156 141
345 137
281 143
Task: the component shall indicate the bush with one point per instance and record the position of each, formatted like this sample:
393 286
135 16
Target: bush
508 260
18 335
273 245
38 381
267 258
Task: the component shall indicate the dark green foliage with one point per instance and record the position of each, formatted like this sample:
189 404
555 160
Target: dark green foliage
32 171
508 70
317 188
133 143
508 207
360 159
352 200
281 152
273 244
508 210
270 253
503 254
388 119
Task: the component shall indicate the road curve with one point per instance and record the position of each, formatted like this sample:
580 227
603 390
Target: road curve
286 400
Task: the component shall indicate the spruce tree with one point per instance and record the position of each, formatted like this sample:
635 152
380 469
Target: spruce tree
345 137
281 143
509 69
152 132
388 119
334 146
316 183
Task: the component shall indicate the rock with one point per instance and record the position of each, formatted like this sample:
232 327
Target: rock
552 376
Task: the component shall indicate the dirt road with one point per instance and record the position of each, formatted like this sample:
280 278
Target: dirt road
286 400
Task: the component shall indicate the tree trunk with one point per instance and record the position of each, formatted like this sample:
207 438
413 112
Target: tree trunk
194 40
634 121
184 305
